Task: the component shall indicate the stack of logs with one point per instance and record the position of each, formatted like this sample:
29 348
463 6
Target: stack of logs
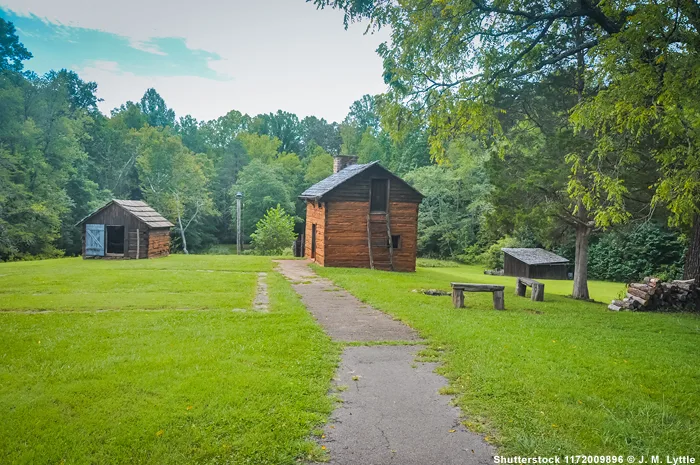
158 244
652 295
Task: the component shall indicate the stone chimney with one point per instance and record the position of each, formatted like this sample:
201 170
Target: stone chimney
342 161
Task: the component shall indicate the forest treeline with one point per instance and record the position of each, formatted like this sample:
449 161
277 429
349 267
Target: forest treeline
61 158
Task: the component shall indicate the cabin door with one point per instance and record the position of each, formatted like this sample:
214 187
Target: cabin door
313 241
95 240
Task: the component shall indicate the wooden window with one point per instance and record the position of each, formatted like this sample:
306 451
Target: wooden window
378 196
395 241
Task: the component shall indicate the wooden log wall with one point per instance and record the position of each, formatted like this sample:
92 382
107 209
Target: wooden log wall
142 243
346 235
158 243
315 214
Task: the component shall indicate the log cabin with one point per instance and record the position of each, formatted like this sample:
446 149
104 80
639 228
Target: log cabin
125 229
362 216
534 263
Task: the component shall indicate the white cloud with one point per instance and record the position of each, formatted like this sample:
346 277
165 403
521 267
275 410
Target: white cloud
280 53
208 99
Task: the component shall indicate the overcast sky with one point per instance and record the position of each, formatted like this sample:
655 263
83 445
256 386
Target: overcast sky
205 57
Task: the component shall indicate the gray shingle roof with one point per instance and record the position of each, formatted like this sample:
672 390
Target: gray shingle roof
140 210
334 180
145 213
534 256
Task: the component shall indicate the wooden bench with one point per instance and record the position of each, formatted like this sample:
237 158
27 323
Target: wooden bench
458 290
521 285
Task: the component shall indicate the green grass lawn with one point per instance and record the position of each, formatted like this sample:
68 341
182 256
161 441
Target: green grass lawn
553 377
170 374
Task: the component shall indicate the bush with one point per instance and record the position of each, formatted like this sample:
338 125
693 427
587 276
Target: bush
631 253
493 257
274 232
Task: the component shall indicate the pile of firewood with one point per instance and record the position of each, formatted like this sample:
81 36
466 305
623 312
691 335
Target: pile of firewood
653 295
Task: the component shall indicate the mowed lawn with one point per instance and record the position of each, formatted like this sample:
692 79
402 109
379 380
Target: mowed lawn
148 362
554 377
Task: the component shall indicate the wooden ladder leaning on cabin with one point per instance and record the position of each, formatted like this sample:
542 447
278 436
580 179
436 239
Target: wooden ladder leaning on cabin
387 217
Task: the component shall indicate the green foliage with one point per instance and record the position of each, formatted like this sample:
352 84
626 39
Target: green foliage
452 212
263 188
632 253
156 111
12 52
260 147
492 257
319 167
274 232
174 182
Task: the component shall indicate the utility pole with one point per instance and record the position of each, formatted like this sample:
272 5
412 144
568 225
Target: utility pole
239 235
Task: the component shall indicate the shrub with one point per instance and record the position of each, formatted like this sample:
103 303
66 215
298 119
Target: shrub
274 232
493 257
631 253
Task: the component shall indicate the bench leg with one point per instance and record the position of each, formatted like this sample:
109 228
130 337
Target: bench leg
458 298
498 300
537 292
520 288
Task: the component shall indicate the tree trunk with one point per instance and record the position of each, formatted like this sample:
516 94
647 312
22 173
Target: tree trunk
182 235
581 263
691 270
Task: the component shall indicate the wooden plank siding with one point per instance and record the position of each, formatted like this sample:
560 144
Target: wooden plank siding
315 214
357 188
345 238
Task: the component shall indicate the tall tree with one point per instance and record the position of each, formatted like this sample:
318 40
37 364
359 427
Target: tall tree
323 134
453 56
12 52
156 111
282 125
173 179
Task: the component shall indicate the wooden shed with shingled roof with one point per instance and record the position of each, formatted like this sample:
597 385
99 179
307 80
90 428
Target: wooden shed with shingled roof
362 216
125 229
534 263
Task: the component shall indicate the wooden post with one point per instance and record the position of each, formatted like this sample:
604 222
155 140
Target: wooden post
498 300
388 225
458 297
369 243
537 292
138 243
520 287
391 242
239 234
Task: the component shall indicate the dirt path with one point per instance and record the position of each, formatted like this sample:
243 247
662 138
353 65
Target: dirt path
391 411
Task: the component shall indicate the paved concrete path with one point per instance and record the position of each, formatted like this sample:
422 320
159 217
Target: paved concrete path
343 317
391 411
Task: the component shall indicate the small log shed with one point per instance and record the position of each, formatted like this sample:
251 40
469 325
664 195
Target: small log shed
125 229
534 264
362 216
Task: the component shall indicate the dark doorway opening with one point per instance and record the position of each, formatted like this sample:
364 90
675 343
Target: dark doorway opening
313 241
378 196
115 240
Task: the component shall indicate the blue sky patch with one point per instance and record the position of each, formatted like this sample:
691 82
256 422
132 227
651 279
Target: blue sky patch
57 46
